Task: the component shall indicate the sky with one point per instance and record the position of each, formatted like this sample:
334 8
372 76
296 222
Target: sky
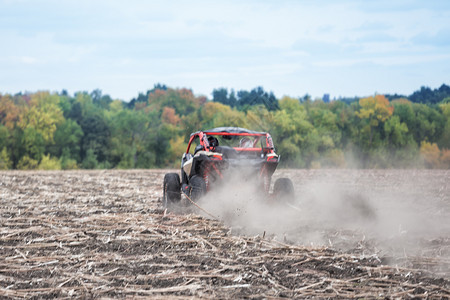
342 48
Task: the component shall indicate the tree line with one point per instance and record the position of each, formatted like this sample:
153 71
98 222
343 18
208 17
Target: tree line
44 130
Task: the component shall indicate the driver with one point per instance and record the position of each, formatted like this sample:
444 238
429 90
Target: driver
213 142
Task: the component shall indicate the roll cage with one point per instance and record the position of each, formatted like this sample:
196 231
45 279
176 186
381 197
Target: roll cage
222 153
262 141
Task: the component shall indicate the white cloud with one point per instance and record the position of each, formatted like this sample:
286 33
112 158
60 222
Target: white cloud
27 60
287 46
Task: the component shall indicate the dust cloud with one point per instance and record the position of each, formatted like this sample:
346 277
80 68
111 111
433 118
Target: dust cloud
393 214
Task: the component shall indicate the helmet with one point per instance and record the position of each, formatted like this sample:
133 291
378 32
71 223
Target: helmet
213 141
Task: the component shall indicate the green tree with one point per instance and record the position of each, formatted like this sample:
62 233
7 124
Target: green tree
346 122
100 100
96 137
4 137
33 143
428 96
445 137
86 104
67 138
396 132
257 96
90 160
76 112
325 122
294 135
5 161
221 96
429 123
131 133
67 163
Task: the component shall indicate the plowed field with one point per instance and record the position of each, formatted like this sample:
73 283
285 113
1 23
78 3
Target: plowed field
350 234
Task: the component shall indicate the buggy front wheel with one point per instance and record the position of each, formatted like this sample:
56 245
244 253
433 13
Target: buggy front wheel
171 189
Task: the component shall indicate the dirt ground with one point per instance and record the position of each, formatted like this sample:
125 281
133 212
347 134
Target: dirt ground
104 234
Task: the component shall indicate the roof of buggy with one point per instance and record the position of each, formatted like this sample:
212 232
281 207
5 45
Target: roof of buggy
231 130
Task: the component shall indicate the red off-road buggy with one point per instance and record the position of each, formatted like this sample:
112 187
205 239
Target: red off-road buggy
223 152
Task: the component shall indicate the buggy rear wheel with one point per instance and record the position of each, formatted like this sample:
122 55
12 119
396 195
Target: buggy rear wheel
198 187
171 189
283 189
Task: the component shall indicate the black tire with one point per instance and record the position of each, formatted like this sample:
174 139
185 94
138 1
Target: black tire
171 189
198 187
283 189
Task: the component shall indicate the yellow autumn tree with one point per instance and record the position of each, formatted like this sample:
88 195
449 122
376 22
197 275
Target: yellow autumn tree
374 110
43 114
431 154
215 114
9 112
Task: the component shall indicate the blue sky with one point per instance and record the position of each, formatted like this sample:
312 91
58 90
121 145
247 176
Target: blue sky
343 48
